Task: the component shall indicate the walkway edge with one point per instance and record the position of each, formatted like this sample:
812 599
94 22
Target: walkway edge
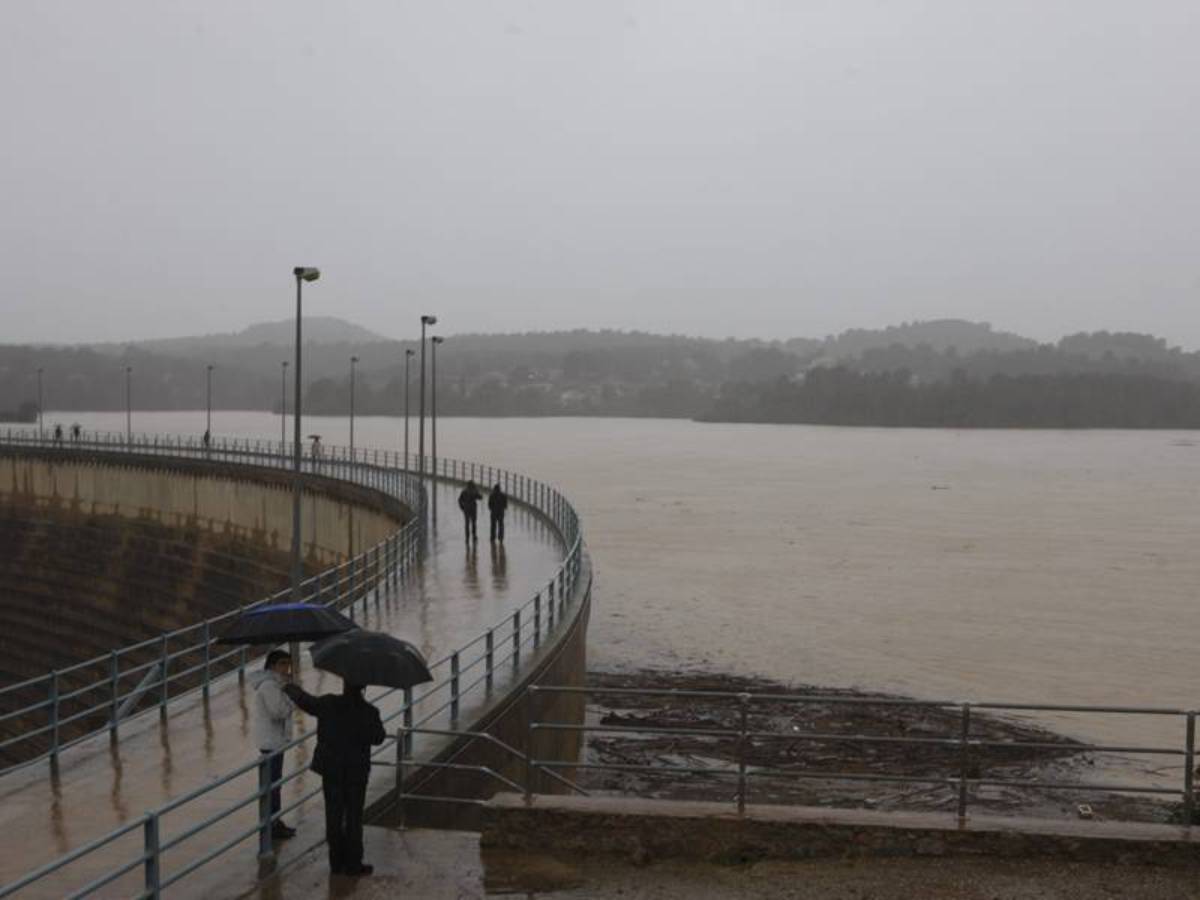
669 829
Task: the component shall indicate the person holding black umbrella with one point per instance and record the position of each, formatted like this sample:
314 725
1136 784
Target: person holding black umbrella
347 727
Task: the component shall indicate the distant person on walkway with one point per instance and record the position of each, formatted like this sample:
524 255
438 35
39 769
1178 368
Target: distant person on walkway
497 505
273 713
58 433
468 502
207 439
347 727
76 431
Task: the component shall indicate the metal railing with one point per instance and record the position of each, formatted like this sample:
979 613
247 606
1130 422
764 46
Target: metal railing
963 777
95 695
477 670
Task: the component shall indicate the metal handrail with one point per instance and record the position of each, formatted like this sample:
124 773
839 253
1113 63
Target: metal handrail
522 631
962 778
397 546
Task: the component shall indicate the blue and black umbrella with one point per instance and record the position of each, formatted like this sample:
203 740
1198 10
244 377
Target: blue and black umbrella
281 623
371 658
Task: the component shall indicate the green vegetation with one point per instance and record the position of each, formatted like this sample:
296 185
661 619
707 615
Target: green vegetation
946 372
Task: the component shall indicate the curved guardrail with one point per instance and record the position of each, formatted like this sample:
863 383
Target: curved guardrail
177 663
473 671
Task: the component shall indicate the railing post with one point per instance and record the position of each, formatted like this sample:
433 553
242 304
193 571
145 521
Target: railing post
964 760
537 621
265 850
454 687
53 706
743 722
516 639
408 721
529 725
1189 764
207 655
550 608
114 691
401 740
151 869
163 666
491 657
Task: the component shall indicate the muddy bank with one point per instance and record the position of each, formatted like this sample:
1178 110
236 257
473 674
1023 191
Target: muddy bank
805 750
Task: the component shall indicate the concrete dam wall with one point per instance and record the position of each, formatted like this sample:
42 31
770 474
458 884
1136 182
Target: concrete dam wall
97 553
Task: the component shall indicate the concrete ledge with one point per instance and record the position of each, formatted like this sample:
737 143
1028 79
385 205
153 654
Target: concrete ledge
661 829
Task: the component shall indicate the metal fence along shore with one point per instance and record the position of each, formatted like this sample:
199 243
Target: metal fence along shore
473 672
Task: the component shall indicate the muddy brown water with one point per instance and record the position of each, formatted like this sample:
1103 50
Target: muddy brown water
1023 566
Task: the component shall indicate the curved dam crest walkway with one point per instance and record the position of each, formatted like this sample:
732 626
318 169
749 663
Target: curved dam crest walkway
451 596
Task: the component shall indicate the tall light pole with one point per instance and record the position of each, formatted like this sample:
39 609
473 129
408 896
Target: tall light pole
39 403
353 363
283 407
208 401
425 320
435 340
408 355
129 405
303 274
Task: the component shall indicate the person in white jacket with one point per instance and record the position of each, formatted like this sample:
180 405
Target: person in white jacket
273 715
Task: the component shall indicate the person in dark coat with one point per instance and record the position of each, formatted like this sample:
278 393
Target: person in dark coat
347 727
468 502
497 504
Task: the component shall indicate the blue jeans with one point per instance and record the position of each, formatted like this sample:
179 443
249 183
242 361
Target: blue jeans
276 774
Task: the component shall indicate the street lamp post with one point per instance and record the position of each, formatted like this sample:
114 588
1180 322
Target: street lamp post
208 402
425 320
435 340
303 274
129 405
283 407
353 363
408 355
39 403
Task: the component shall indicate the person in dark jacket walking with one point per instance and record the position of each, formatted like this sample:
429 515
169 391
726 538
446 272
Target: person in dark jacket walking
347 727
468 502
497 505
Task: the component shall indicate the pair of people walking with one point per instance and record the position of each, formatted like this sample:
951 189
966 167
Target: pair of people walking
468 502
347 727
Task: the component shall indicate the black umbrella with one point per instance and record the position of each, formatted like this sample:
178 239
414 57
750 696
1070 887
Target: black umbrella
283 622
371 657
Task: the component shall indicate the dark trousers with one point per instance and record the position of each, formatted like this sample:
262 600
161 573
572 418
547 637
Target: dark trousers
344 801
276 761
497 527
469 525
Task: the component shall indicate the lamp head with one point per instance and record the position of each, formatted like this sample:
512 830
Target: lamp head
428 320
353 360
410 352
284 363
438 340
307 273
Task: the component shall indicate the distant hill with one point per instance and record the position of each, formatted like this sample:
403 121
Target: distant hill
317 330
937 334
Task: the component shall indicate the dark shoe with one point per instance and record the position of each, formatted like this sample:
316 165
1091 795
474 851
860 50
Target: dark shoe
282 832
360 869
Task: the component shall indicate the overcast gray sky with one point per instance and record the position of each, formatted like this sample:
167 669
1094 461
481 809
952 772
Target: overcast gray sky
745 168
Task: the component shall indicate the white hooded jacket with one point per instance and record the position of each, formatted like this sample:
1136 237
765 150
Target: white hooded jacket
273 711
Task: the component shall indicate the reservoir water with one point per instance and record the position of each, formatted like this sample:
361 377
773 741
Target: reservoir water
1023 566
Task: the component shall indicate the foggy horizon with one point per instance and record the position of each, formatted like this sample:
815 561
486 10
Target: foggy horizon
676 168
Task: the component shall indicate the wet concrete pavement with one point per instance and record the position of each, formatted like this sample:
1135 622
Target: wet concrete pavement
97 787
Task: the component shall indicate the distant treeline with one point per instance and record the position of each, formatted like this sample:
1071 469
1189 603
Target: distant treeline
839 396
946 372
